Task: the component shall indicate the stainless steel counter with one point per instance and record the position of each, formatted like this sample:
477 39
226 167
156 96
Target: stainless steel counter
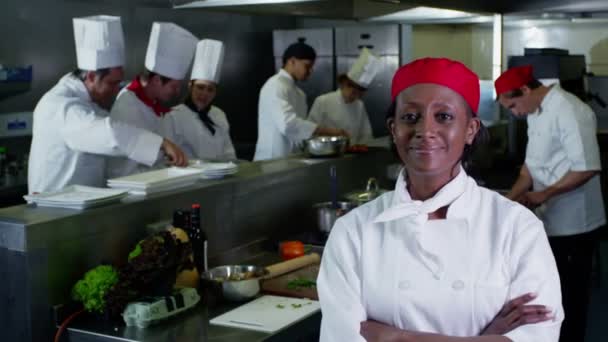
194 325
44 251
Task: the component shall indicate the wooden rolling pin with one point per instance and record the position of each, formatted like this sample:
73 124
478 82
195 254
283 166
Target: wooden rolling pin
292 265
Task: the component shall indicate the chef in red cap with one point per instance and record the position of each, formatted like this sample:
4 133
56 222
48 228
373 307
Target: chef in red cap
439 258
560 180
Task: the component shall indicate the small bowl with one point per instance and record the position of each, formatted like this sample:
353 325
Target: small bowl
324 146
239 282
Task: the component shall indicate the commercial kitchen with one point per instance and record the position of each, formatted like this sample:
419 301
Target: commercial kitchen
252 210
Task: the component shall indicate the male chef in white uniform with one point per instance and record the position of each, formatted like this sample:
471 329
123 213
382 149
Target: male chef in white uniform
343 107
562 168
282 108
168 57
72 130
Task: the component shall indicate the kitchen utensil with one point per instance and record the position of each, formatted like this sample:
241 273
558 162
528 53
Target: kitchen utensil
325 146
268 313
371 192
327 214
280 285
291 265
234 287
333 183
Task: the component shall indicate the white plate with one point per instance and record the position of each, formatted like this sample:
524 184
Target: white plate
213 167
77 194
149 179
133 190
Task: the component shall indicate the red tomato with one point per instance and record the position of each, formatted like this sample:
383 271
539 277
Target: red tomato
292 249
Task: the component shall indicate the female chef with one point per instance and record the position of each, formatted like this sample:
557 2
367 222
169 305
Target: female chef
436 259
198 127
343 108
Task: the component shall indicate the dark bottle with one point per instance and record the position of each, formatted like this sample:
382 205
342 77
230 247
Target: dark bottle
198 238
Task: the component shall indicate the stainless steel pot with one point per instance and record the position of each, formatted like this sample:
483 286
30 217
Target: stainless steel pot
239 282
372 190
324 146
327 214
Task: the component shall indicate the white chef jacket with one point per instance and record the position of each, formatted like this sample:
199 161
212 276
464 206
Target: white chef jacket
385 261
330 110
562 138
71 135
195 139
130 109
282 123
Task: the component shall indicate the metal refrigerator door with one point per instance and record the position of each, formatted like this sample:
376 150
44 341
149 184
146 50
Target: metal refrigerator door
378 96
320 82
381 40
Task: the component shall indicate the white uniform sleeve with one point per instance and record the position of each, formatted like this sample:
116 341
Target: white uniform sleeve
577 132
228 151
286 120
339 285
87 132
316 111
533 269
366 133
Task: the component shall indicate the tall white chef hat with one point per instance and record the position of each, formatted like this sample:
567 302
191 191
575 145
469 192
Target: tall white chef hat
365 68
99 42
208 60
170 50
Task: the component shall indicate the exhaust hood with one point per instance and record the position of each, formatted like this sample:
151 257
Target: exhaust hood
330 9
367 9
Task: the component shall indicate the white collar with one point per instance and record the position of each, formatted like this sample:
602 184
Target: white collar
403 206
77 86
285 74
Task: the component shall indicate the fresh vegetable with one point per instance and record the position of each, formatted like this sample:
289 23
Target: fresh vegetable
300 283
292 249
280 306
296 306
136 251
91 290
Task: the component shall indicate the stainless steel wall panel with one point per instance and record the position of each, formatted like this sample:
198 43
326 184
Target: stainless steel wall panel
381 40
322 40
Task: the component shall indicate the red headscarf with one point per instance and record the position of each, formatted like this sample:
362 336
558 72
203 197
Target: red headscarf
442 71
137 88
513 79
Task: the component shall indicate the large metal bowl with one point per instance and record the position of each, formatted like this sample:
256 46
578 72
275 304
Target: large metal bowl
324 146
239 282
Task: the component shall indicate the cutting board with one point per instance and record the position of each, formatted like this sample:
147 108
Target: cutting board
278 285
268 313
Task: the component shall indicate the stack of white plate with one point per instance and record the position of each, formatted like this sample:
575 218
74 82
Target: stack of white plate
213 170
146 183
77 197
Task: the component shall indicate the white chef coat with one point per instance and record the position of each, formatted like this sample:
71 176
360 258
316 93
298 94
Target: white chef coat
330 110
71 135
282 123
130 109
195 139
562 138
385 261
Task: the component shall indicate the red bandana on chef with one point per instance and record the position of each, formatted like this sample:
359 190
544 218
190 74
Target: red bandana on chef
513 78
442 71
138 90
